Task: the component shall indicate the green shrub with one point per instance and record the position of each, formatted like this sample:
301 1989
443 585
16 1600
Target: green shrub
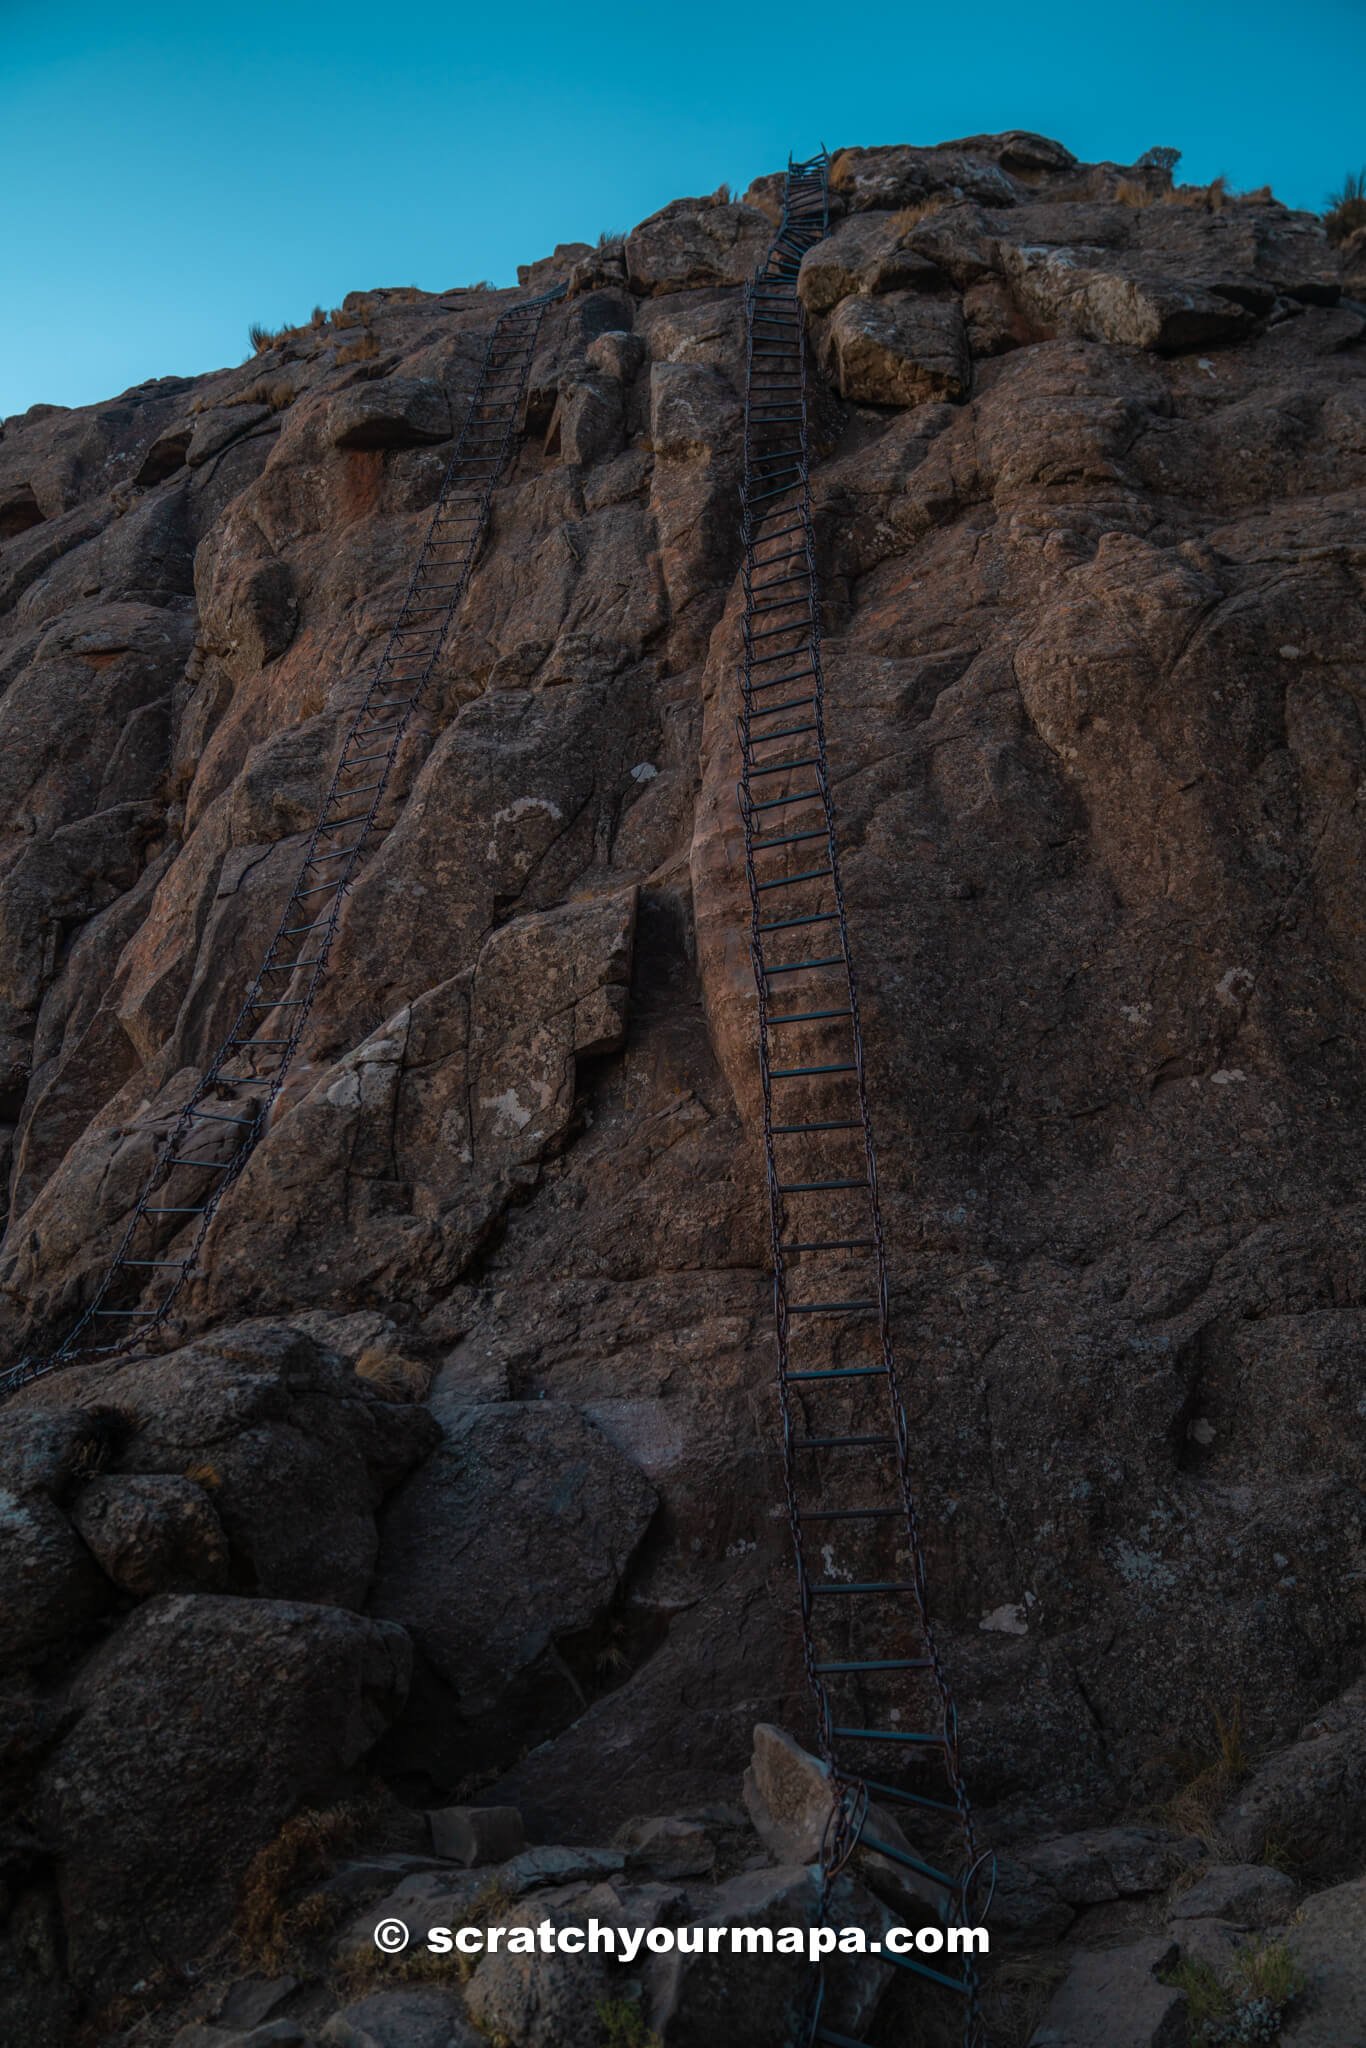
623 2025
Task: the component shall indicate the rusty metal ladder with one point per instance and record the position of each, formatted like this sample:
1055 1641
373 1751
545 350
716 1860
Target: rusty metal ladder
221 1124
886 1724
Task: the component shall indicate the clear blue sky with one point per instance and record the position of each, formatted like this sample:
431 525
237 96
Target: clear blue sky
172 173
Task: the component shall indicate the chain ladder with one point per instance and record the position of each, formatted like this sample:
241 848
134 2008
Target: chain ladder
835 1358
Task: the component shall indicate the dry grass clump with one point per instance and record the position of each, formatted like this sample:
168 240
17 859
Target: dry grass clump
1212 198
1017 1994
273 1920
394 1374
911 216
322 324
1214 1774
363 350
1346 210
357 1974
276 392
1133 192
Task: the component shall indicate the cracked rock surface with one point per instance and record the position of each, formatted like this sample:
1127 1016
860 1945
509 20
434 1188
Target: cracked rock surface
467 1426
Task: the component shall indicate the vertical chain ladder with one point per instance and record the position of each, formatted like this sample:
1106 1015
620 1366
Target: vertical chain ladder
886 1722
219 1127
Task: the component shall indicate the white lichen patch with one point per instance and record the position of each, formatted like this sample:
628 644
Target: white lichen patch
1224 1077
512 813
508 1113
644 771
1010 1620
1142 1568
344 1092
1233 989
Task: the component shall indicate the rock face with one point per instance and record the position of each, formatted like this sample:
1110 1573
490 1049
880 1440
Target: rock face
1310 1796
1116 2000
205 1718
477 1372
515 1534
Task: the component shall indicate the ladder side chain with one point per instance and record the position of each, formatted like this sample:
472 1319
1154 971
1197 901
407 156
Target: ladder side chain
217 1130
820 1097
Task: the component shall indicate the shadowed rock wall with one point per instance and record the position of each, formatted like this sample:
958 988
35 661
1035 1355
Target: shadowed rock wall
1089 500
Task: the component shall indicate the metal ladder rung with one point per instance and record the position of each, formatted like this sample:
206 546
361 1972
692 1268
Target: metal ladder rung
765 539
799 795
918 1969
798 675
352 819
788 839
218 1116
799 1073
811 1187
831 1308
873 1663
316 860
781 490
842 1586
802 966
847 1123
783 924
782 732
797 576
777 632
776 711
891 1734
808 1016
905 1798
841 1372
844 1442
834 1244
790 881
